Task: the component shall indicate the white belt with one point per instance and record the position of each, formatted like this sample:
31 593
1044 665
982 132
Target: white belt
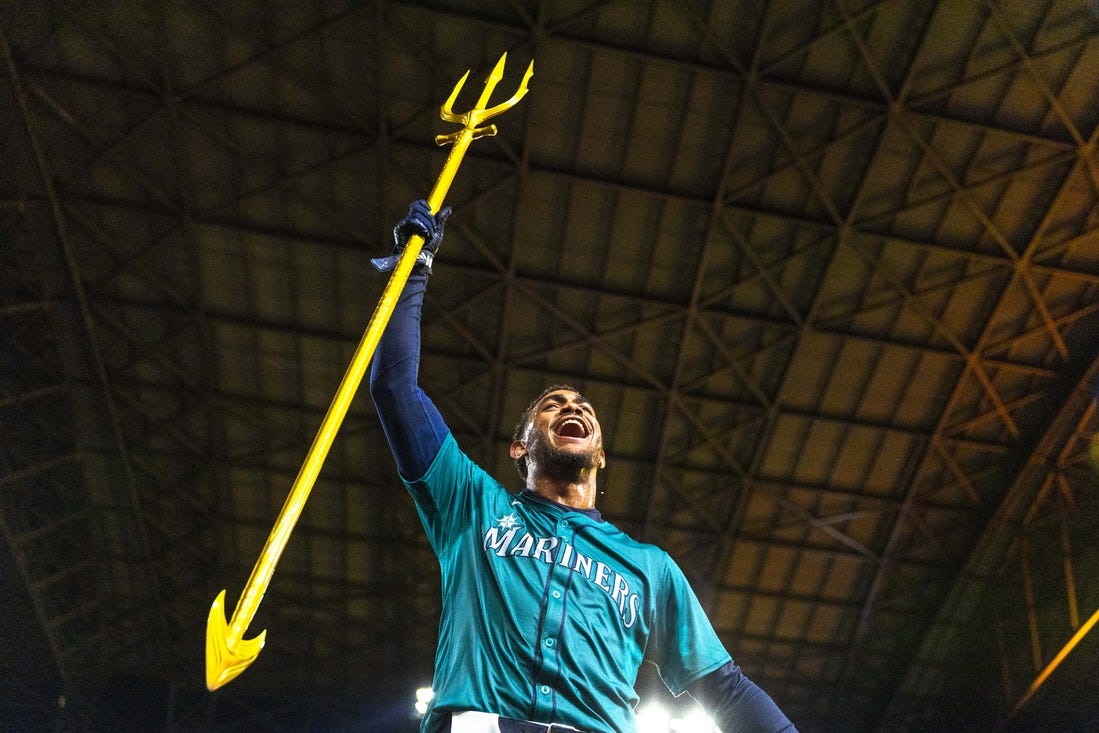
473 721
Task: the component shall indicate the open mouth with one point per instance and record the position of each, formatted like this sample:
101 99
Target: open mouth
572 427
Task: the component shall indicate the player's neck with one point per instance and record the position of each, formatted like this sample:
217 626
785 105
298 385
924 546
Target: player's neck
579 494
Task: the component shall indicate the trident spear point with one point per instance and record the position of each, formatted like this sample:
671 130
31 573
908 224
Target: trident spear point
228 653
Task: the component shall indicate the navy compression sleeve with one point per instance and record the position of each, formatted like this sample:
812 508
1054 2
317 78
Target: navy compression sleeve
737 704
412 424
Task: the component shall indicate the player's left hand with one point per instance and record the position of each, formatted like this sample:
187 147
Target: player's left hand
418 220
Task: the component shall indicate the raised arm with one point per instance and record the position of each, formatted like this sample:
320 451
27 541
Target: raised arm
412 424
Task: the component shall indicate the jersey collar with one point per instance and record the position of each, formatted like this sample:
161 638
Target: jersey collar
530 497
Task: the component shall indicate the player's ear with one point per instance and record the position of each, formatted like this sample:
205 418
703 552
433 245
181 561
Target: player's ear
518 449
602 458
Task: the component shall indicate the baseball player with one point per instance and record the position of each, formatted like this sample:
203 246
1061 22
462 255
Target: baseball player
548 610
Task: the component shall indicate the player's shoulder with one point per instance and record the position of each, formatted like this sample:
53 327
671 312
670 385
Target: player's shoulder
452 459
626 542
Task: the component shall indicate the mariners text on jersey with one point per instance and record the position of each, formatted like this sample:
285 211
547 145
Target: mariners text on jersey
516 542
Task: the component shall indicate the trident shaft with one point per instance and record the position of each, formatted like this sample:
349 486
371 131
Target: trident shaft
228 653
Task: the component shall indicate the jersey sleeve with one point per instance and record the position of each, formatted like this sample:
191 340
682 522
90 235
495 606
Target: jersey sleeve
447 493
683 643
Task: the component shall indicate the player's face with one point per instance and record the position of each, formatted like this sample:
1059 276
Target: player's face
564 437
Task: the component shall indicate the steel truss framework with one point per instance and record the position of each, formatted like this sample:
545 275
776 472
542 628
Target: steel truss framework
829 272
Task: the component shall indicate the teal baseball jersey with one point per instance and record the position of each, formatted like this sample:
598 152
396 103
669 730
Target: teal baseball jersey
548 612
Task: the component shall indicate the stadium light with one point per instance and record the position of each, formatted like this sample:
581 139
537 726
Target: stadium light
655 718
424 696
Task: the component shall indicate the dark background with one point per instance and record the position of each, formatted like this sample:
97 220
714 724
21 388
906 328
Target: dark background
829 272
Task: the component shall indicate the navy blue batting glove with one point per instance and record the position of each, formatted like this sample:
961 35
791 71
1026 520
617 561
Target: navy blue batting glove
418 220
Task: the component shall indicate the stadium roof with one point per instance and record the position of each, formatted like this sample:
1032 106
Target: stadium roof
829 272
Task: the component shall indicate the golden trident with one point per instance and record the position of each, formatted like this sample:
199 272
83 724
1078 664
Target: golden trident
228 653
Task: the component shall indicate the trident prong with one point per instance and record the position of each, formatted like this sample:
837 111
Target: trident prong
228 653
471 120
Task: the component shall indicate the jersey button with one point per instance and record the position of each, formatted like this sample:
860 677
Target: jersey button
556 594
550 641
545 689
